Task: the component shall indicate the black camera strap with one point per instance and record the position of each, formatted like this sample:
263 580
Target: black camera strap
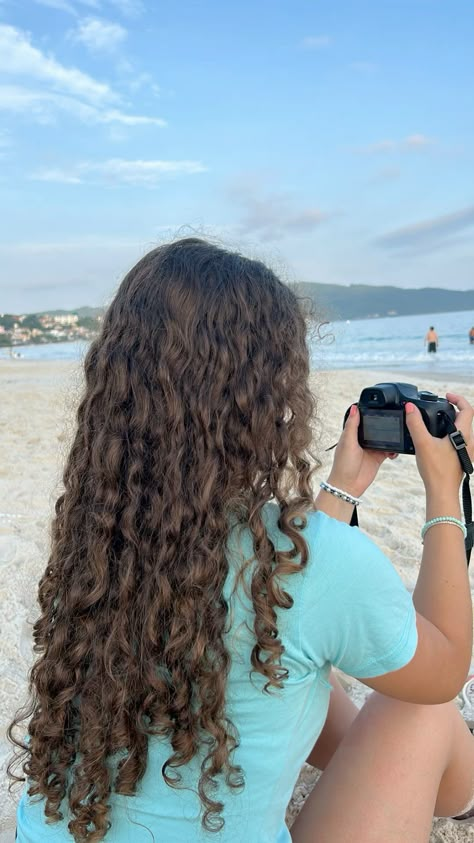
458 442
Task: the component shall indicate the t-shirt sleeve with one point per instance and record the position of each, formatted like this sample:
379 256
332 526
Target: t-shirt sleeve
356 613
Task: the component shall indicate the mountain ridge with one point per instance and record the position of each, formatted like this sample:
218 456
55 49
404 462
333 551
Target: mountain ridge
356 301
363 301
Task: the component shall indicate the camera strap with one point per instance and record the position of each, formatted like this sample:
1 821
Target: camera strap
458 442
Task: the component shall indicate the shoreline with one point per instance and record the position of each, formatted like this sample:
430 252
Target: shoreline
374 375
417 376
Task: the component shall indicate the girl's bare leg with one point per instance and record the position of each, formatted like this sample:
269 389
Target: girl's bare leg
397 766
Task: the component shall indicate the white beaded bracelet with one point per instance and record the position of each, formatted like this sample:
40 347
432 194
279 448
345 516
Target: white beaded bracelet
345 496
443 519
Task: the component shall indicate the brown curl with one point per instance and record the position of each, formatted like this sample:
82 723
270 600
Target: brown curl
196 408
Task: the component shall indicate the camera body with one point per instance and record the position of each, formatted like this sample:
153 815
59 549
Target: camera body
382 416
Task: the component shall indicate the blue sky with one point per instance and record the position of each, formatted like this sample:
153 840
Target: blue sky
332 139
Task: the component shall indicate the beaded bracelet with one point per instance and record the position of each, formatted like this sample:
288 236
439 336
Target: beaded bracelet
443 519
345 496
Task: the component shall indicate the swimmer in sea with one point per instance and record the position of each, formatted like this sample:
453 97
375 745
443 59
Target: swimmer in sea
432 340
471 336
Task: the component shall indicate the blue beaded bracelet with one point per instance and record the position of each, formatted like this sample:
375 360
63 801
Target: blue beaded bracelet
443 519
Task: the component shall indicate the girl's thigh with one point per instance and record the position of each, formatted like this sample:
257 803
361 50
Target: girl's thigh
383 781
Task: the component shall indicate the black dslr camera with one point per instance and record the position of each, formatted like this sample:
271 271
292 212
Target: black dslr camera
382 416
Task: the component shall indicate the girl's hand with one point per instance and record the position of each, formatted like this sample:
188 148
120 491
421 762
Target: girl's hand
437 460
355 468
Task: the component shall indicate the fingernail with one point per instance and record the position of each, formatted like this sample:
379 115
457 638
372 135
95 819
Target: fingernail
409 407
353 410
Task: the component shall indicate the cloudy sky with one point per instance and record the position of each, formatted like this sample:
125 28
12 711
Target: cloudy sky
333 139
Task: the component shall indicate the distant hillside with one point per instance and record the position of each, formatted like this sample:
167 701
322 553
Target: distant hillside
92 312
360 301
357 301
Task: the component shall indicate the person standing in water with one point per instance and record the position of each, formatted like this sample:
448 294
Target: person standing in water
471 336
432 340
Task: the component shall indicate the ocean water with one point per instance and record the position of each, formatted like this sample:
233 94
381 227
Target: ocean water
49 351
396 342
390 343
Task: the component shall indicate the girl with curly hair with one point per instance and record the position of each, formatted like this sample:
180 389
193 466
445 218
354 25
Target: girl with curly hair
197 594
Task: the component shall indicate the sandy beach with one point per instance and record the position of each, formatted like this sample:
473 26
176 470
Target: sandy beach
37 418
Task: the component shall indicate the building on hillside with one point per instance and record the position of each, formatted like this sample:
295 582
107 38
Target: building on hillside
19 335
67 319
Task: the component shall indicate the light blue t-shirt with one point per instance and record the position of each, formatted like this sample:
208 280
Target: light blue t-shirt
351 610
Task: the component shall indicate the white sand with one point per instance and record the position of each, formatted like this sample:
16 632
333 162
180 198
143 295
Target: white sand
37 402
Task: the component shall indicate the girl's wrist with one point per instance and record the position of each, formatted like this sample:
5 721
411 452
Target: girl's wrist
345 485
337 499
333 506
439 508
442 501
340 493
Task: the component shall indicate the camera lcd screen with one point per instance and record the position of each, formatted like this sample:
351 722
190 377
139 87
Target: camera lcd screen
383 428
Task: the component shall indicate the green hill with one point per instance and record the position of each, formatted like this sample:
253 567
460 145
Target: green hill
360 301
93 312
357 301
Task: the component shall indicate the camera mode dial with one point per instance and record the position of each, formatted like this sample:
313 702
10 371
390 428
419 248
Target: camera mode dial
428 396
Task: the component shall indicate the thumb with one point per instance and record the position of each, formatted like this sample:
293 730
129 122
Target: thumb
353 420
416 425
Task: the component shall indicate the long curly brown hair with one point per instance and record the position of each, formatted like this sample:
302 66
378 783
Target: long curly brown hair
196 408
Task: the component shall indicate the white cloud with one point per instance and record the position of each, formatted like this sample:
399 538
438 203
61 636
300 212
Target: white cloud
316 42
115 116
61 5
19 57
128 8
118 171
135 80
43 107
417 142
55 89
428 235
41 247
380 146
412 143
99 35
144 80
57 176
36 105
274 215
